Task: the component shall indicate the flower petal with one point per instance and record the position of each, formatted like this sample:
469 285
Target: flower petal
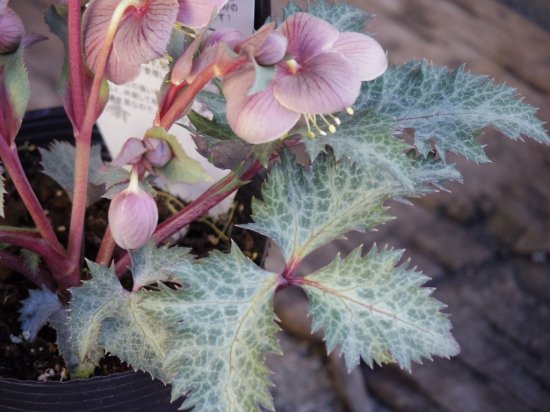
328 83
307 35
364 53
11 31
273 50
145 32
258 118
197 13
232 37
142 35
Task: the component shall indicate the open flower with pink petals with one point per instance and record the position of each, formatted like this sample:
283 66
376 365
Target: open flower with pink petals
141 34
321 74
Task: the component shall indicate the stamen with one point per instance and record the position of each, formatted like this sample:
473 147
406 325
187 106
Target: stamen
336 120
350 111
292 65
331 127
319 130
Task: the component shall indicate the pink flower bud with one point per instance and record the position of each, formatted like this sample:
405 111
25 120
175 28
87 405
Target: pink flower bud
133 217
131 153
158 153
11 30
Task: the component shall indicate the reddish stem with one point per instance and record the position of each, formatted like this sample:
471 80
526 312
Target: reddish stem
107 248
76 79
184 100
18 264
10 159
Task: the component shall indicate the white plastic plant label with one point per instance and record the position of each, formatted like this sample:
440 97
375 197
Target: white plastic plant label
132 107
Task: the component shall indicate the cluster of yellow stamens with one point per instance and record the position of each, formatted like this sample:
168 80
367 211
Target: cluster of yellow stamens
313 127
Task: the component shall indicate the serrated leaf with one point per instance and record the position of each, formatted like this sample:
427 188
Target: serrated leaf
58 163
304 209
367 138
341 15
151 265
377 311
449 107
223 325
105 317
36 311
91 304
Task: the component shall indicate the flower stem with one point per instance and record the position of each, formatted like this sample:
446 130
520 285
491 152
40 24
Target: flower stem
76 79
106 250
10 159
83 139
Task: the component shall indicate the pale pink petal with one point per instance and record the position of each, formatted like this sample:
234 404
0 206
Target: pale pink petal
258 118
219 54
145 31
273 50
364 53
197 13
11 31
307 35
328 83
253 43
182 68
232 37
131 153
141 36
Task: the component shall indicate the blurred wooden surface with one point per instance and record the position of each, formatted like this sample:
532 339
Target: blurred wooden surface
486 245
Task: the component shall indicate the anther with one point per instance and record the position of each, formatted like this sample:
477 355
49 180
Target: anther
350 111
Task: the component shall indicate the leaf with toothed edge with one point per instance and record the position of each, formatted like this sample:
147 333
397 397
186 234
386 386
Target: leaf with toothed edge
223 328
304 209
377 311
449 107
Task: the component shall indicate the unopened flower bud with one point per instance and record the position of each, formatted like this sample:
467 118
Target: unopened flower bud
158 153
133 216
131 153
11 30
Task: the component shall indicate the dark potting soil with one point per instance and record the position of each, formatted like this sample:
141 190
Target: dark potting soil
40 360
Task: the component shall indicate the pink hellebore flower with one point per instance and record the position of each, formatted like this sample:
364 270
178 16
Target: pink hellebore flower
141 36
321 74
197 13
11 29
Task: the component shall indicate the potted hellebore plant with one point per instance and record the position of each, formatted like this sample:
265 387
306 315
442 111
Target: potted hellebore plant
313 80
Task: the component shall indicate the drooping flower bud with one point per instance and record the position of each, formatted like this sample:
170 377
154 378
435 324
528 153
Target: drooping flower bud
158 152
131 153
11 29
133 216
273 50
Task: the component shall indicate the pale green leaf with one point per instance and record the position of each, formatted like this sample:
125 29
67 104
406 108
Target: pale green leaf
344 17
151 265
223 326
58 162
449 107
367 138
14 91
303 209
181 168
376 311
91 304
